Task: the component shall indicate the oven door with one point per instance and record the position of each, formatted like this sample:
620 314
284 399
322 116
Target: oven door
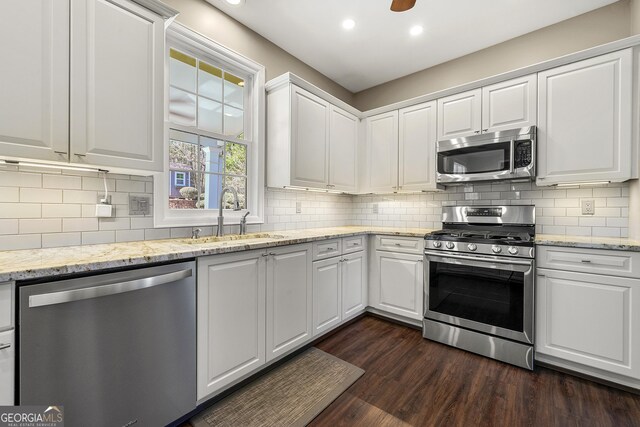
484 293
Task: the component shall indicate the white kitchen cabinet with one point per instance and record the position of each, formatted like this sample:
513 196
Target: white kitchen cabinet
311 142
417 147
585 121
7 367
289 299
396 277
588 312
34 79
460 115
6 305
117 88
327 295
84 84
506 105
339 283
354 284
231 318
382 152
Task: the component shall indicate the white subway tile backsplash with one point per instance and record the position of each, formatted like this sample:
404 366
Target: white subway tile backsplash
157 233
9 226
9 194
20 210
40 195
115 223
80 224
80 196
20 179
31 226
68 182
97 237
129 235
20 241
61 239
61 211
129 186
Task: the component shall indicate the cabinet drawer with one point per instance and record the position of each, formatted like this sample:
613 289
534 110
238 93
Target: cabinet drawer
6 305
400 244
326 249
7 367
615 263
352 244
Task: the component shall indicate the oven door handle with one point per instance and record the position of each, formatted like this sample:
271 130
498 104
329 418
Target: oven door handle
477 260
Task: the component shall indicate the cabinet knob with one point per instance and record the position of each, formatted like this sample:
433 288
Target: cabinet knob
477 131
484 130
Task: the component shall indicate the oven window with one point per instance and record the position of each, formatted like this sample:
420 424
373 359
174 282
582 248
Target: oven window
485 295
473 160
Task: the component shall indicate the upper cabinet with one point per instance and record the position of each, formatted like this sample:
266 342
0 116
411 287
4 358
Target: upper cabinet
401 150
585 121
95 97
505 105
311 143
117 61
34 79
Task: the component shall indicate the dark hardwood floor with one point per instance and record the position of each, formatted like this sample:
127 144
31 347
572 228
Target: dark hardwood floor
412 381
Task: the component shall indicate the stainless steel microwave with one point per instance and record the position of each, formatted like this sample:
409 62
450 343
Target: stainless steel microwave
509 154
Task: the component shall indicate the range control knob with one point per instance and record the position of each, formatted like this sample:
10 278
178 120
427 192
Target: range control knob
450 245
513 250
472 247
437 244
496 249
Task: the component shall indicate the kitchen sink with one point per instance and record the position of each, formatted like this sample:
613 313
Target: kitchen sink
233 237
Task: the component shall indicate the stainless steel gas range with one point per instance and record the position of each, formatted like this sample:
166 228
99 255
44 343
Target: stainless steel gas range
479 282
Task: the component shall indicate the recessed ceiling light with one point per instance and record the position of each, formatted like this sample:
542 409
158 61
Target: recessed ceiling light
348 24
416 30
236 3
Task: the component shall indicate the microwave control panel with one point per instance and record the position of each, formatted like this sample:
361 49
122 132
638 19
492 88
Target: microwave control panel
522 155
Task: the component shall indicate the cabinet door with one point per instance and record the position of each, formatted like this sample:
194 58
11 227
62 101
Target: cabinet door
589 319
117 85
382 152
7 367
34 79
417 147
354 284
289 299
508 105
460 115
585 120
309 139
327 297
343 146
231 319
398 284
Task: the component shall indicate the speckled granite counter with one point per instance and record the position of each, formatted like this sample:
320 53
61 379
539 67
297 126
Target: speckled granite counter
611 243
36 263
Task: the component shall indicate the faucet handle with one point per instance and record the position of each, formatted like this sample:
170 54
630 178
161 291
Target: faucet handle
195 233
244 217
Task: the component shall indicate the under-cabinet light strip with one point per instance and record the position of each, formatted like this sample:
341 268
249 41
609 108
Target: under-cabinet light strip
51 166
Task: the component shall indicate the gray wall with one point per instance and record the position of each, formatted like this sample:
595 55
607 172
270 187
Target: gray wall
214 24
590 29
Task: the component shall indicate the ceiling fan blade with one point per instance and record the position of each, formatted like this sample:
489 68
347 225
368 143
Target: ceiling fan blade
402 5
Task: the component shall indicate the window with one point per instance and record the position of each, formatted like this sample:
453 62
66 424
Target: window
215 137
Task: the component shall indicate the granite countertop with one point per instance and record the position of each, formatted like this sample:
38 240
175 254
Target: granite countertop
37 263
588 242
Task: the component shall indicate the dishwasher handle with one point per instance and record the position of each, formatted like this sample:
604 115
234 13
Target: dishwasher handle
62 297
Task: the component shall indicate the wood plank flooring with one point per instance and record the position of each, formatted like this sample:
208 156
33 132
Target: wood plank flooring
410 381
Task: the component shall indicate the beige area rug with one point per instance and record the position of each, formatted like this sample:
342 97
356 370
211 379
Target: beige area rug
291 395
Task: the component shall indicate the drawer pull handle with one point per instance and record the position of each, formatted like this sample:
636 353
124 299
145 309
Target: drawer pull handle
5 346
328 251
586 261
272 253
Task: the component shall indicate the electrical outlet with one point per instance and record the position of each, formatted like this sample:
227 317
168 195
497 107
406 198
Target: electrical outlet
588 207
375 208
298 207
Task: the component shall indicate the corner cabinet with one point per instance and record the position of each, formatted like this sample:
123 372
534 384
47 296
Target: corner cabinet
505 105
382 152
74 90
252 308
585 121
311 143
588 312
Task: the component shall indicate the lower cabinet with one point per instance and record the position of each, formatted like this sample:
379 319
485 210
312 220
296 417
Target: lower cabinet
396 284
252 307
289 298
587 321
339 290
7 367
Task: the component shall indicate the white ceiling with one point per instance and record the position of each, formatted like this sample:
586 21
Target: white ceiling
379 48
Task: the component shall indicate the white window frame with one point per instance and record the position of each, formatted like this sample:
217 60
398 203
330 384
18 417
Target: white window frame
186 40
183 179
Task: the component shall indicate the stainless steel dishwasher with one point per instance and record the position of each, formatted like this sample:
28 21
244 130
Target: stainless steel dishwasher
114 349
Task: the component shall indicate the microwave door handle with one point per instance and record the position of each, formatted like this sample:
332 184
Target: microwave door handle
512 156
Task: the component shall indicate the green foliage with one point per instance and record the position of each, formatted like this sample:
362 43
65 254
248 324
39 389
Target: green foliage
189 193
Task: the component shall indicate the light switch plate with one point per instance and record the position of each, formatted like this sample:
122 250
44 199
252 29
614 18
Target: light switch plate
298 207
588 207
139 205
375 208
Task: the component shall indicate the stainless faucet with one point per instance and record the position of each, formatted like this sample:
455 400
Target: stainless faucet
236 207
243 223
